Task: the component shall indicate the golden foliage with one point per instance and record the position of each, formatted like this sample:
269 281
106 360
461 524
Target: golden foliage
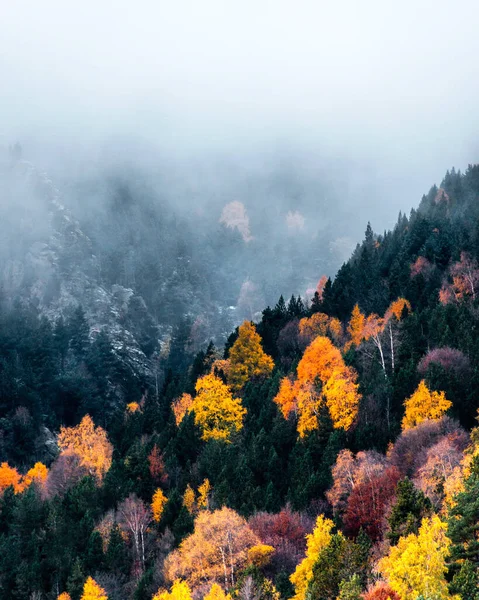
90 444
180 590
181 406
10 477
417 565
396 309
158 504
286 397
214 552
216 593
38 474
423 405
64 596
189 500
315 542
92 591
204 494
342 397
133 407
217 413
260 555
247 358
356 327
319 324
323 378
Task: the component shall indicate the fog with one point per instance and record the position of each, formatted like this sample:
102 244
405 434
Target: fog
316 116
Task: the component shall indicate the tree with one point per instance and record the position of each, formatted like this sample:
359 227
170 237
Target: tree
356 326
157 466
38 474
315 543
424 405
350 471
410 507
217 413
247 358
64 596
181 406
158 504
9 477
350 589
462 522
180 590
417 565
90 444
367 504
381 591
92 591
189 499
466 582
214 552
204 492
135 517
216 593
322 379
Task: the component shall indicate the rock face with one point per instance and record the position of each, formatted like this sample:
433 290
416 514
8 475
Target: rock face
47 260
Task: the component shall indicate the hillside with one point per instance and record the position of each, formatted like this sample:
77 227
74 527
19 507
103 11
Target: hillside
146 465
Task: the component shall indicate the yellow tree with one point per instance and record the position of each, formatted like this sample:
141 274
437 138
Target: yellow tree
90 444
286 397
356 327
180 590
204 492
64 596
92 591
158 504
423 405
417 564
315 542
38 474
216 593
214 552
323 378
181 406
217 413
260 555
247 358
10 477
189 499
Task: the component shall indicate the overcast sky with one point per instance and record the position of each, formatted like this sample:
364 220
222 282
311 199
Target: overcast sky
391 82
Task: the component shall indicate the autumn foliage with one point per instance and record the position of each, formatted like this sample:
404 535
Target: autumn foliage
90 444
92 591
215 551
417 565
424 405
322 379
315 542
247 358
217 413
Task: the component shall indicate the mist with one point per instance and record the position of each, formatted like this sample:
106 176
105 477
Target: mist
151 119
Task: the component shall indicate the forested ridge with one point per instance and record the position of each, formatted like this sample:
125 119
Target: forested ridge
329 451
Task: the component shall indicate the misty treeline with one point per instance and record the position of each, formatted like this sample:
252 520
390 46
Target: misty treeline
115 480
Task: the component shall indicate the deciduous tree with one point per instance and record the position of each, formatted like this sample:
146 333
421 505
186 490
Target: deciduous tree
92 591
247 358
315 542
90 444
424 405
417 565
217 413
214 552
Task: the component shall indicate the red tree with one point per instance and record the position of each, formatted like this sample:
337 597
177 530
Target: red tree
367 504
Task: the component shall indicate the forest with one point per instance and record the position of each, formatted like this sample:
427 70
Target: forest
329 451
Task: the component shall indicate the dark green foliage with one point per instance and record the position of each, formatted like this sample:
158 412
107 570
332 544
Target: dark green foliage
410 507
